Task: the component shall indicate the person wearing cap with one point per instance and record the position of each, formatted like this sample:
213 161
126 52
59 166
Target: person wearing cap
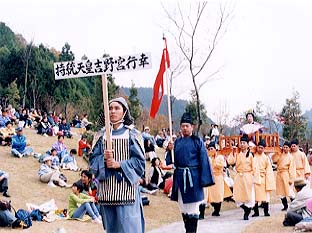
216 191
147 136
6 134
119 172
264 179
192 173
50 176
303 169
19 144
285 174
297 209
250 128
243 187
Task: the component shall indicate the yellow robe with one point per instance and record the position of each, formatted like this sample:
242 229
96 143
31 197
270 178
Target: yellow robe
301 164
245 168
286 173
216 191
264 177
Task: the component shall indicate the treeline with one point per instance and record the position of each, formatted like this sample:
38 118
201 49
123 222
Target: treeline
27 78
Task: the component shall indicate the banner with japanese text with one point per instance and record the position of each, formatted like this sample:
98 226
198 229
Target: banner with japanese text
106 65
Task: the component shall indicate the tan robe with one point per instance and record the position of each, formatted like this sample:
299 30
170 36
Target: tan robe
245 168
264 177
301 164
286 173
216 191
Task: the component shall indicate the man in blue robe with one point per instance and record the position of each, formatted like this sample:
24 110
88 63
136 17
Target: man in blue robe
119 171
192 173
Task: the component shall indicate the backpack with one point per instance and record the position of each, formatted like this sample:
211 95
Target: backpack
24 216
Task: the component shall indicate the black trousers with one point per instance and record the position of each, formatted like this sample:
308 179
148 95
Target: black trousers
4 185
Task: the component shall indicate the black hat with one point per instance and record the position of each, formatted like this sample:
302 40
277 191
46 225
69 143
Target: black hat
287 143
187 118
262 143
294 141
212 144
244 138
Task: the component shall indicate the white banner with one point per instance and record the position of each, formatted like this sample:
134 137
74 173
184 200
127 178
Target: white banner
106 65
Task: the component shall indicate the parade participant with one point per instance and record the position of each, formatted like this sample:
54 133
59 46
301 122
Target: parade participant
301 162
263 179
216 192
285 174
243 188
192 173
251 128
118 192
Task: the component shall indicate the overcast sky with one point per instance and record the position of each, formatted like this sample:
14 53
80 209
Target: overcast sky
265 53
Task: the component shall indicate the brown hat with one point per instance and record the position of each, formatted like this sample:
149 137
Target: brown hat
299 182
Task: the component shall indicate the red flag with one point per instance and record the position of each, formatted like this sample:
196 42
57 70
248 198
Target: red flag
158 91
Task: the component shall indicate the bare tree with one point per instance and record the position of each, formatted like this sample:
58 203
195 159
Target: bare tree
193 36
26 58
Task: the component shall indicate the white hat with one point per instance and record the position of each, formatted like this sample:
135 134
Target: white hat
146 127
47 158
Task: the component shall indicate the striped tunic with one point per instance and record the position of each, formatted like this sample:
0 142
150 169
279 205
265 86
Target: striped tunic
116 189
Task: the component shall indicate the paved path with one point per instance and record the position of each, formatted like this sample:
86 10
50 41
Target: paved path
230 221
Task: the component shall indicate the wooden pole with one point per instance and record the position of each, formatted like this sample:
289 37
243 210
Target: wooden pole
106 112
169 97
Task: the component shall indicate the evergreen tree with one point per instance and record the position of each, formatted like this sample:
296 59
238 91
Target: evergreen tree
12 93
134 102
295 123
192 106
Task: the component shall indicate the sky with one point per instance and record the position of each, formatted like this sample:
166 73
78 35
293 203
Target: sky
264 54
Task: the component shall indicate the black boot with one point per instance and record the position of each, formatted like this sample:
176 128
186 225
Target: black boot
284 202
202 208
256 210
217 207
192 224
266 209
186 221
246 211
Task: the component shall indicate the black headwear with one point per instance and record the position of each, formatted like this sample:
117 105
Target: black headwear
294 141
287 143
212 144
262 143
244 138
187 118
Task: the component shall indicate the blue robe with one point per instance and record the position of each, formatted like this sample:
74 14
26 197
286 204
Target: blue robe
192 169
121 218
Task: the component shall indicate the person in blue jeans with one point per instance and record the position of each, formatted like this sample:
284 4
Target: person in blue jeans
79 204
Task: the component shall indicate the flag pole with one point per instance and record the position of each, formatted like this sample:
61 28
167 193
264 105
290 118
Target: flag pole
168 95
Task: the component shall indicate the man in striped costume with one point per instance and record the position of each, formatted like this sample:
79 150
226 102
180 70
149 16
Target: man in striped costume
119 171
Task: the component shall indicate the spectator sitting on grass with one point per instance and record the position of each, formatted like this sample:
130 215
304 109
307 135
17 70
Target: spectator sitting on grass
50 176
19 144
69 161
64 129
6 134
79 204
83 146
297 209
60 147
